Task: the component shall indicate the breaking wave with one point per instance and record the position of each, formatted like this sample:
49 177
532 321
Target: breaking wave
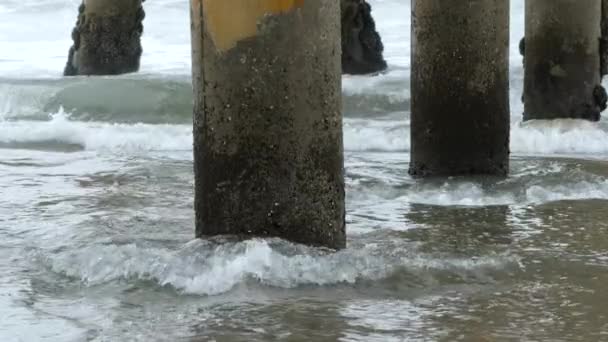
562 137
206 268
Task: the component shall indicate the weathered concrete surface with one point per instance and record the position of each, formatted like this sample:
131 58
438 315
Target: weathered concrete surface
562 60
460 87
362 48
267 121
107 38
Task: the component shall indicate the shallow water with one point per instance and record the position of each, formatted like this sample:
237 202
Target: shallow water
96 213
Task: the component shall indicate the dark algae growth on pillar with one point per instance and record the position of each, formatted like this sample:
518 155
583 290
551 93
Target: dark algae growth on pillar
562 60
267 122
460 87
107 38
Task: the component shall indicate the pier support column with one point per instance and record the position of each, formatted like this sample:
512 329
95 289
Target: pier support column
107 38
562 60
460 87
268 150
604 39
362 48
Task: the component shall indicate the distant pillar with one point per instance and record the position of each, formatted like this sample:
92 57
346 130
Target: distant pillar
107 38
460 87
268 151
562 60
362 48
604 39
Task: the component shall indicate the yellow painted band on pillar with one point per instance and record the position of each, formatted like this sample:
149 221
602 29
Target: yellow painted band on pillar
230 21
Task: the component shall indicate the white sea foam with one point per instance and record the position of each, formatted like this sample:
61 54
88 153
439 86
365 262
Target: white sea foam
201 268
367 135
474 195
537 138
459 194
559 137
567 191
98 136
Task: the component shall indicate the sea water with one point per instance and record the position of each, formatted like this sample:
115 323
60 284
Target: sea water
96 212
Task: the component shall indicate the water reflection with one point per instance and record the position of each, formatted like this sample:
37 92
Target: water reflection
469 231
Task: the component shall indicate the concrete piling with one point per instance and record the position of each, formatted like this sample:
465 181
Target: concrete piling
107 38
604 39
268 150
460 87
562 60
362 48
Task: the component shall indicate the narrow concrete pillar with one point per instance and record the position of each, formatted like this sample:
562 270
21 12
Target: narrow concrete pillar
460 87
268 151
107 38
562 60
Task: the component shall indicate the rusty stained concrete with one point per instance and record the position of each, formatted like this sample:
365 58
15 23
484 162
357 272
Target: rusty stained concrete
230 21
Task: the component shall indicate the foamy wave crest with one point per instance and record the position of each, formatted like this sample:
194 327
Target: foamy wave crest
393 84
475 195
359 135
380 135
559 137
542 138
568 192
97 136
539 137
458 194
205 268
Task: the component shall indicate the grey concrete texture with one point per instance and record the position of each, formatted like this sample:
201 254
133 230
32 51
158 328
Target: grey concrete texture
460 88
562 60
107 38
268 146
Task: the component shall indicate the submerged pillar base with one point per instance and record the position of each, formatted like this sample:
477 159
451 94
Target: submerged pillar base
268 151
107 38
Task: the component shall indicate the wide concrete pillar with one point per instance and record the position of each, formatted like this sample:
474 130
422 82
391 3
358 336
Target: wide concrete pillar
562 60
268 149
107 38
460 87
